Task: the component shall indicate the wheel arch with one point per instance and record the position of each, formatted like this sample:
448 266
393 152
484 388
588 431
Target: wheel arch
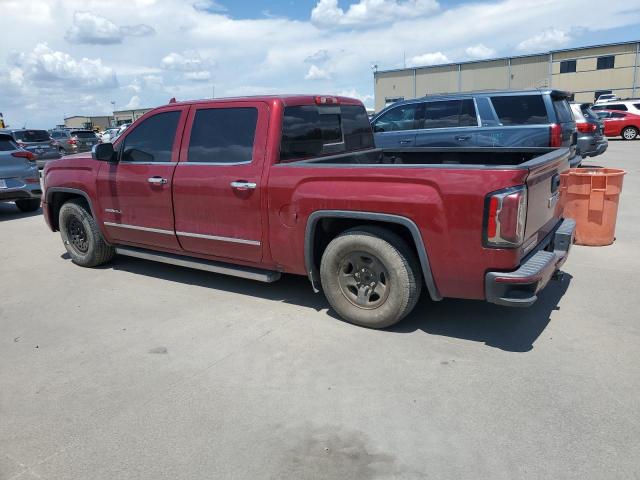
316 242
629 126
57 196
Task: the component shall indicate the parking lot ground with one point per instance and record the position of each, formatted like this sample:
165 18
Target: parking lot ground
147 371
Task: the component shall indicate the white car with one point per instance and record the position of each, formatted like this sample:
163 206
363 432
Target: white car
109 134
631 106
607 97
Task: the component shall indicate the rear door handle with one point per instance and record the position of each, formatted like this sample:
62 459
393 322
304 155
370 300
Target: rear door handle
241 185
461 138
404 142
157 180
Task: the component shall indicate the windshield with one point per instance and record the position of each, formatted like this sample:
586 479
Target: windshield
32 135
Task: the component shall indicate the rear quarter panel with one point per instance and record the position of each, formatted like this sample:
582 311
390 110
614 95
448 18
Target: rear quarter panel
447 205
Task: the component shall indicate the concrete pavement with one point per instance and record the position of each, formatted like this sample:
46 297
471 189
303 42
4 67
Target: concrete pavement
147 371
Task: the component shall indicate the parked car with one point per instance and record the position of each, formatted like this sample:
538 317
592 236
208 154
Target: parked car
531 118
120 131
75 141
19 177
620 124
591 139
607 97
258 186
631 106
38 142
109 134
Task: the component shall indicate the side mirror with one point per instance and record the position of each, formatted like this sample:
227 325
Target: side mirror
103 152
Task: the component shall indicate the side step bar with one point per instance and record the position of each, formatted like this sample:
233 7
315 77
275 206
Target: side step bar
260 275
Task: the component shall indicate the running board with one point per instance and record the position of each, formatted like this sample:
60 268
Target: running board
251 273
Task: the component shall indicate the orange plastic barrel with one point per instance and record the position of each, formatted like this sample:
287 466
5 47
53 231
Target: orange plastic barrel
591 196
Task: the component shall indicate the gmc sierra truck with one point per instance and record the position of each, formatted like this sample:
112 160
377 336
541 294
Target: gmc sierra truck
256 187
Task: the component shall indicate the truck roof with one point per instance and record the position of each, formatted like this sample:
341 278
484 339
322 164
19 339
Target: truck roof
284 99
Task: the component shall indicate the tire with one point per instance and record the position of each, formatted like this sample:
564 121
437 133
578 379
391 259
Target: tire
387 262
30 205
629 133
81 235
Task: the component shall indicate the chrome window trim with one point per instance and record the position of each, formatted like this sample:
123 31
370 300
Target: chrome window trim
136 227
219 238
124 162
188 163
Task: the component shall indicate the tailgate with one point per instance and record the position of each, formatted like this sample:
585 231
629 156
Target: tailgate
543 187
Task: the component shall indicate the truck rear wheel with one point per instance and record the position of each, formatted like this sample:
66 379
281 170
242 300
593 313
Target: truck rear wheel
370 277
82 237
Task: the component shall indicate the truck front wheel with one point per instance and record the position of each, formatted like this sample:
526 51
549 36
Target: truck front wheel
370 277
82 237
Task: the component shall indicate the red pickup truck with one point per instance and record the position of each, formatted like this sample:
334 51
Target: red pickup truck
255 187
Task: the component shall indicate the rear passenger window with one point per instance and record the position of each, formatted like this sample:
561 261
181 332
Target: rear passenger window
520 110
399 118
6 144
618 115
563 110
468 117
637 105
356 127
223 135
306 132
152 140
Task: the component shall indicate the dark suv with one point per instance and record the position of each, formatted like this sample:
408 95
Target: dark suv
528 118
591 139
38 142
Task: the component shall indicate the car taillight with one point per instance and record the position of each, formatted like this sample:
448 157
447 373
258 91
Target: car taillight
24 154
505 217
32 180
71 141
585 127
556 135
324 100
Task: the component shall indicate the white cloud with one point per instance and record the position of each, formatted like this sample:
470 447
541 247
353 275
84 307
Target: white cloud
365 98
91 28
133 103
480 51
547 40
198 76
209 6
45 66
318 57
317 73
328 14
186 61
425 59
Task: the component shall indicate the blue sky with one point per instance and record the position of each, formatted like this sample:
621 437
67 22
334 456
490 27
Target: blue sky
75 57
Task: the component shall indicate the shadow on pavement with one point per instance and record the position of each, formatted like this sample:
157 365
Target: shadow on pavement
509 329
8 211
506 328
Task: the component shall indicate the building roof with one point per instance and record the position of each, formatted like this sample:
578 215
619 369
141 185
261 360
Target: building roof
465 62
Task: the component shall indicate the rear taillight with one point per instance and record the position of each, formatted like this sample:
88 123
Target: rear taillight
24 154
71 141
585 127
556 135
505 217
324 100
32 180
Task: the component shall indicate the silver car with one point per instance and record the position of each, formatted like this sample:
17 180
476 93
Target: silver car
19 176
38 142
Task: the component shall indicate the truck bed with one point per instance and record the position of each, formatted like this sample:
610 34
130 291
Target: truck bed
502 158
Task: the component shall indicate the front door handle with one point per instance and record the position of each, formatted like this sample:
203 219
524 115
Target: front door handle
243 186
404 142
157 180
462 138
